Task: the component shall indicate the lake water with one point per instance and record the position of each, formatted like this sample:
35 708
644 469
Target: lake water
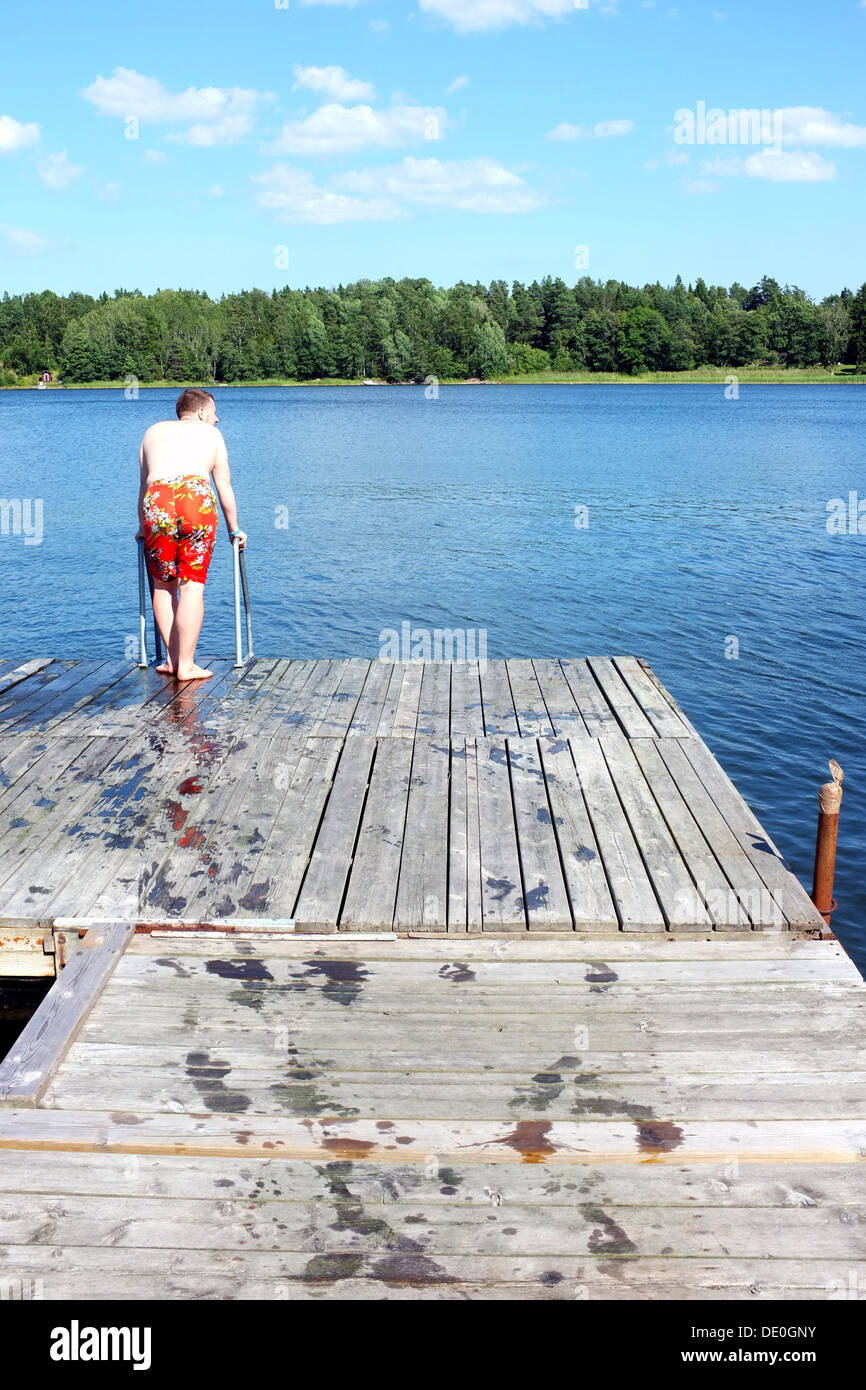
707 522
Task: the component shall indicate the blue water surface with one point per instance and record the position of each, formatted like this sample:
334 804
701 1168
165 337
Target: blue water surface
706 522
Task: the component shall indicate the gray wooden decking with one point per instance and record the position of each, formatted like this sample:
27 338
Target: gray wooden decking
494 1118
598 1059
363 796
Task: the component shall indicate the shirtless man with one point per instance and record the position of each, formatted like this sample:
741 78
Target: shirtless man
178 519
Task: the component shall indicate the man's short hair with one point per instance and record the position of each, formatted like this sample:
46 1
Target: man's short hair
191 400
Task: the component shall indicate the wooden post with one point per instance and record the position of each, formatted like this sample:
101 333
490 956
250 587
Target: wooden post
829 802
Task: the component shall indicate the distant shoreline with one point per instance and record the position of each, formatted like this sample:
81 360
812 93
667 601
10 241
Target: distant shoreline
720 376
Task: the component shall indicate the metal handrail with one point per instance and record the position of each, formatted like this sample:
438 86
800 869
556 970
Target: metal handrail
142 618
241 585
239 568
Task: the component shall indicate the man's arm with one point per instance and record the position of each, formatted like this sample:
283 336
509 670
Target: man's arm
223 484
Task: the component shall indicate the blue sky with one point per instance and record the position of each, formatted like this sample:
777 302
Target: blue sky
456 139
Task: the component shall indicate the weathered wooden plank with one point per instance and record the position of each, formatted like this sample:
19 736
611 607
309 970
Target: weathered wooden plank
325 880
598 717
20 697
565 718
505 1061
338 708
467 717
14 674
630 887
591 903
787 891
164 834
712 886
434 704
405 720
620 698
216 1084
39 1049
499 860
372 890
533 720
219 884
385 728
422 890
777 947
673 885
280 869
497 701
579 1143
153 784
18 753
450 1229
666 722
52 715
371 705
545 898
747 887
399 1185
27 874
554 977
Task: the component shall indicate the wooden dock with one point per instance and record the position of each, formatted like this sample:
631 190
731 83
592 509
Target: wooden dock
353 795
411 982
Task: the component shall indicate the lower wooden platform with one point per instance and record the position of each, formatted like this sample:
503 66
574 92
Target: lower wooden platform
356 795
260 1118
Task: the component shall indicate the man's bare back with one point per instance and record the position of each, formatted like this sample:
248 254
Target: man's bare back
172 448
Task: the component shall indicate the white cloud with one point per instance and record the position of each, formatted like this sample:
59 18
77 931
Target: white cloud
650 164
602 130
388 192
473 15
15 135
336 129
219 115
22 240
295 197
110 190
471 185
789 166
336 82
57 171
153 156
699 187
812 125
676 158
457 85
215 190
379 26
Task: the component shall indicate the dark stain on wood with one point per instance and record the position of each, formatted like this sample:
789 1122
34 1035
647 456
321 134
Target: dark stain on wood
608 1238
345 979
659 1137
458 971
208 1077
529 1139
598 973
238 969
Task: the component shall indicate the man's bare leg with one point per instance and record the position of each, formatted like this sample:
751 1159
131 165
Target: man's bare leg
164 605
185 632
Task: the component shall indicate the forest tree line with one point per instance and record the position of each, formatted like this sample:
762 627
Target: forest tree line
407 330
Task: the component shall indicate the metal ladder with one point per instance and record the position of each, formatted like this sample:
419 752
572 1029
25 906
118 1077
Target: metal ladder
239 574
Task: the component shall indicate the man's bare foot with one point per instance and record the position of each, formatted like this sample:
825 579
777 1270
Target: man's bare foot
165 668
195 673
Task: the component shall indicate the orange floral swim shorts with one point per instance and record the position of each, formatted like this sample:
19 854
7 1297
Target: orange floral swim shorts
180 526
